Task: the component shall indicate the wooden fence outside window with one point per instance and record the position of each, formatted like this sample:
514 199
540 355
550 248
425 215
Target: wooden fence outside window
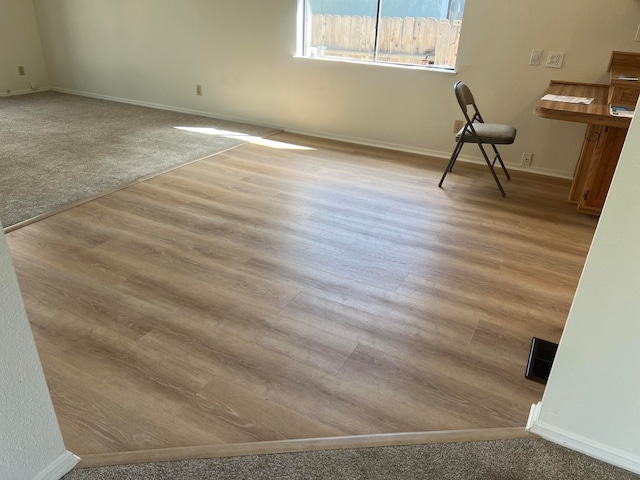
402 40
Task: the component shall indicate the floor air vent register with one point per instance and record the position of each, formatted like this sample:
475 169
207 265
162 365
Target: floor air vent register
540 360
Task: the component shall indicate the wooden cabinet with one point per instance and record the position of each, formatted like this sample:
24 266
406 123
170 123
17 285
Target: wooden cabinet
624 79
596 165
623 95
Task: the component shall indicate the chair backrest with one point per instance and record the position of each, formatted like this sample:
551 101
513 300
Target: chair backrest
464 95
465 98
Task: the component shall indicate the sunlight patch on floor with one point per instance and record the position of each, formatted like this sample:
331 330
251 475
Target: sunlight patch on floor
265 142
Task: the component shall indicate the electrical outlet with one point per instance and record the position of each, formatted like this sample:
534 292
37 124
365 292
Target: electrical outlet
526 159
638 34
536 56
199 90
21 71
457 125
34 85
554 60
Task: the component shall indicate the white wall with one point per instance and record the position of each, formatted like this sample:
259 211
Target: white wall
20 46
30 441
241 52
592 399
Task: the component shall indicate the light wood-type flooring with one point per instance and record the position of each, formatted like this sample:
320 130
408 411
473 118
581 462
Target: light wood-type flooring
285 293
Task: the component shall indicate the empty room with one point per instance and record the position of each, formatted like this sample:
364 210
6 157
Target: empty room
242 228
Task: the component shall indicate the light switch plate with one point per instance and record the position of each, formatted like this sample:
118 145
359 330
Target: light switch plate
554 60
536 56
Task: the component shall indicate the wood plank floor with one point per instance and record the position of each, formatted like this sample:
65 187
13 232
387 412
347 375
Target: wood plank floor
285 293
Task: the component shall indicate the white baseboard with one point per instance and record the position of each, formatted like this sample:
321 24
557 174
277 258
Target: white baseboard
534 413
581 444
165 107
536 170
341 138
424 151
59 467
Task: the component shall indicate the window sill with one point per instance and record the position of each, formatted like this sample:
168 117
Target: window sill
379 64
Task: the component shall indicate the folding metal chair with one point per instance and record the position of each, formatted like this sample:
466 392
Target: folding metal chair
477 131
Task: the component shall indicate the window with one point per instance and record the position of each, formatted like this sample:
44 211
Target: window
408 32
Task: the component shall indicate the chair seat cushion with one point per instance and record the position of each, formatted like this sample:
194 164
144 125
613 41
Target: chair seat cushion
489 133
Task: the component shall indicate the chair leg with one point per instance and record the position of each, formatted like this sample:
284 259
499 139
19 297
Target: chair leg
493 172
504 169
454 156
452 160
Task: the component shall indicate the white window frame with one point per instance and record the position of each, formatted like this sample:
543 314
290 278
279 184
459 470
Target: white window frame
443 58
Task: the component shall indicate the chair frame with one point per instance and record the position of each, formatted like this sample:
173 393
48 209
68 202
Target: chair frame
470 130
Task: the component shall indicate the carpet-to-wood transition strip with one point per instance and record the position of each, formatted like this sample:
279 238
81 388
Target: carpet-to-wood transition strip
302 445
516 458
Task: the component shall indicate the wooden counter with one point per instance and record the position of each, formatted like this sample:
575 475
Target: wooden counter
596 113
603 141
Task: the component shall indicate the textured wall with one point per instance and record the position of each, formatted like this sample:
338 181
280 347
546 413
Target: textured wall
30 439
